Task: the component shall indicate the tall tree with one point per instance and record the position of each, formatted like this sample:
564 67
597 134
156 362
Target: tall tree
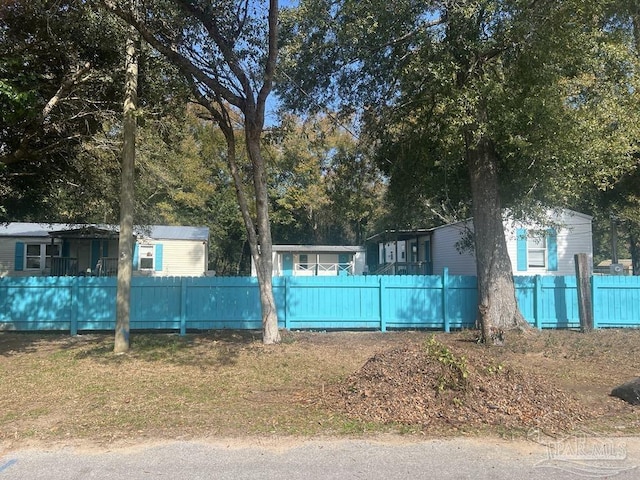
508 94
227 50
59 77
127 196
326 188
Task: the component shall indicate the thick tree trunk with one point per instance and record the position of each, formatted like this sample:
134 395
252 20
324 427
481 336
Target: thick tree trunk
125 243
497 304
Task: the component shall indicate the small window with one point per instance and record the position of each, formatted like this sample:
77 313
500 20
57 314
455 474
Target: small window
537 251
304 261
146 257
34 255
38 255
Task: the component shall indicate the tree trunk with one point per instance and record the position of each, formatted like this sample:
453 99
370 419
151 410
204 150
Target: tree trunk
262 257
125 242
258 232
497 304
634 249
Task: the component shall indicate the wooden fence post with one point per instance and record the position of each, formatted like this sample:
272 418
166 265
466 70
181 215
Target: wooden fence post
183 306
383 320
537 301
583 283
287 296
75 297
445 301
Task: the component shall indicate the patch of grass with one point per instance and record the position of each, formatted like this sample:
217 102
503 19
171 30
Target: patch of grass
229 384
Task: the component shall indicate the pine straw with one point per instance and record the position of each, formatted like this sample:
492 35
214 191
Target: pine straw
405 386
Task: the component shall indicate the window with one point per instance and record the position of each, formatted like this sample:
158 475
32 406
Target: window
304 261
38 256
34 256
146 257
537 251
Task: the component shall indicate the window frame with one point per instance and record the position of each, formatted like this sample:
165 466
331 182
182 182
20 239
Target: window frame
303 261
43 257
534 251
143 255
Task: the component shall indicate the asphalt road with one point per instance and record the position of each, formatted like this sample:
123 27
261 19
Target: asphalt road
392 458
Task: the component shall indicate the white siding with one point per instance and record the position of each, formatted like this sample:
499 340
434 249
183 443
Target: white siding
574 236
8 256
182 258
445 253
359 263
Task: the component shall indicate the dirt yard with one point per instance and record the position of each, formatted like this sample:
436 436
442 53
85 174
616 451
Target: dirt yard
56 388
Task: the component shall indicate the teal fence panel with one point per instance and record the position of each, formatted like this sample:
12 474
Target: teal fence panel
95 303
321 303
155 303
462 301
412 301
549 301
559 303
223 302
616 301
36 303
527 295
340 302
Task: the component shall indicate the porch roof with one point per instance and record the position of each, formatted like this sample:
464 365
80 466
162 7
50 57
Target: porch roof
86 231
64 230
318 248
392 235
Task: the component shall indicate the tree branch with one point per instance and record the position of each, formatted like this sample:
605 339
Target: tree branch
66 87
174 56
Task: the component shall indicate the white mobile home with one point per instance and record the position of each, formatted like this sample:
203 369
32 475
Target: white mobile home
35 249
533 249
316 260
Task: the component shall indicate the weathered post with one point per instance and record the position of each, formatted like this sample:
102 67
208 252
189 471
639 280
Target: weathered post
583 282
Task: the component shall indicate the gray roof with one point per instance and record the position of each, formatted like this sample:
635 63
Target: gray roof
159 232
318 248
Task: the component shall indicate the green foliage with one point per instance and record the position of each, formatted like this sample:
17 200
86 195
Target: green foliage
455 372
556 86
325 187
60 70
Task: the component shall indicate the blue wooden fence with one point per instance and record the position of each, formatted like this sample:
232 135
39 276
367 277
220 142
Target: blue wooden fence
320 303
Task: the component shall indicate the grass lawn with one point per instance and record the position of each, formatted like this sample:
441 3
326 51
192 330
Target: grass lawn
57 388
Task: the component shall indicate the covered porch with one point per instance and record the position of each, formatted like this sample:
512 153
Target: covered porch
85 251
400 252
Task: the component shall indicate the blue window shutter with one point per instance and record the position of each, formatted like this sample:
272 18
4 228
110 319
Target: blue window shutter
95 253
19 260
136 253
521 236
158 257
552 249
